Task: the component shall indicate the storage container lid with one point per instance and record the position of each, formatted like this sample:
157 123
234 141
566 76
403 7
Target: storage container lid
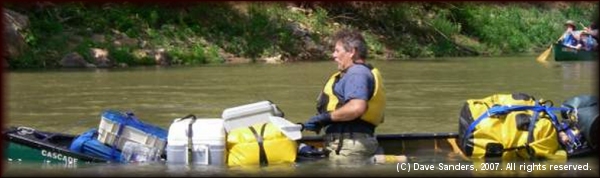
130 120
203 130
289 129
248 109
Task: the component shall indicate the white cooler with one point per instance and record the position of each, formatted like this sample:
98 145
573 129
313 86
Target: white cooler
208 142
249 114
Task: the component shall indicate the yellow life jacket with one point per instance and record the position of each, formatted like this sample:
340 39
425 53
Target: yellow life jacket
262 144
328 101
506 131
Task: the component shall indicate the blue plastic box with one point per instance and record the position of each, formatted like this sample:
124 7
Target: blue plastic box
117 128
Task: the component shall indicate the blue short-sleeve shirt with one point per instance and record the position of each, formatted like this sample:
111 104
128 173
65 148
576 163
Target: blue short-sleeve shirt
356 83
569 39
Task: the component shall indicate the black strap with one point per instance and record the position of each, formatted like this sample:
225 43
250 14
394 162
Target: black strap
516 148
339 145
530 138
263 153
261 148
190 134
341 141
526 146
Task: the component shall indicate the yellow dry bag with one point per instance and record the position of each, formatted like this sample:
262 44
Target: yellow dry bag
509 126
262 144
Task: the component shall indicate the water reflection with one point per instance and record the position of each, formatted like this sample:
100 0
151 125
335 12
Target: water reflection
573 73
582 167
428 162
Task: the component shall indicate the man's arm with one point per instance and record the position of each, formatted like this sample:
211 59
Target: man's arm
350 111
353 109
357 95
578 46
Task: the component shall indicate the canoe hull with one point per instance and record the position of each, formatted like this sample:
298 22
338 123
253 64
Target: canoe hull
563 53
33 147
42 147
48 147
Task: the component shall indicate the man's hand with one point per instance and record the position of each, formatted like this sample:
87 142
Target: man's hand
317 122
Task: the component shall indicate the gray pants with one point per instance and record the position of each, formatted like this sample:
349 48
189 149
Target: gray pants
356 148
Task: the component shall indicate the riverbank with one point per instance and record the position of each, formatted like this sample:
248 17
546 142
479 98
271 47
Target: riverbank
75 34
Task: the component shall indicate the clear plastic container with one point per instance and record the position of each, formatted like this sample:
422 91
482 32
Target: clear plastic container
136 152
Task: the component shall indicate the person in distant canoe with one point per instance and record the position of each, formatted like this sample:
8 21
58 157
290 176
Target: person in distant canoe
592 30
352 103
571 36
587 42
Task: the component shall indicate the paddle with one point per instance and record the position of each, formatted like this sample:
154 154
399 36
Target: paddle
544 56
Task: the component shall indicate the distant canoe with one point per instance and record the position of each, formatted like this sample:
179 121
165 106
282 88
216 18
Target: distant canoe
563 53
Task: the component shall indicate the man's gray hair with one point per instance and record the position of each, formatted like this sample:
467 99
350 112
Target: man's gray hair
352 40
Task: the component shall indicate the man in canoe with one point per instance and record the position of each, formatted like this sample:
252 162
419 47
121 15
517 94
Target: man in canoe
352 103
587 42
570 36
592 30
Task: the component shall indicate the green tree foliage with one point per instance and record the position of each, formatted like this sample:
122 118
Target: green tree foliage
209 32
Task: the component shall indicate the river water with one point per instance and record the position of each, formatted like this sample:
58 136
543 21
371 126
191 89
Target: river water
422 96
